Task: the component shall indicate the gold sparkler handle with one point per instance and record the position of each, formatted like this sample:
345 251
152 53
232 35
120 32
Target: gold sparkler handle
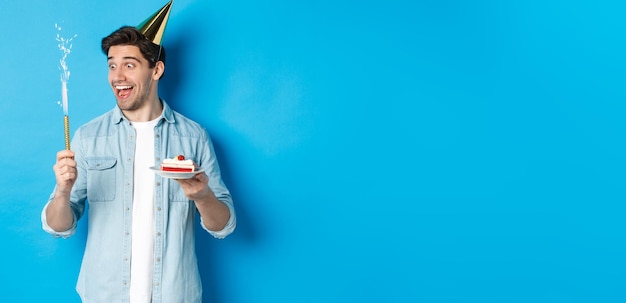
66 122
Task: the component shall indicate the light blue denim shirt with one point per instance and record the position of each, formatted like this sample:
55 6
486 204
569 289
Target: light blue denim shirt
104 151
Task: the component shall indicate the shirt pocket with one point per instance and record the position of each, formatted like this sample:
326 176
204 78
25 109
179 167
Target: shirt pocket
176 193
101 174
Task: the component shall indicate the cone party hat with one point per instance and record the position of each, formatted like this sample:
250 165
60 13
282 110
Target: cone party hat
154 27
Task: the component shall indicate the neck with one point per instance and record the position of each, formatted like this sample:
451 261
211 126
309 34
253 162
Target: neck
150 111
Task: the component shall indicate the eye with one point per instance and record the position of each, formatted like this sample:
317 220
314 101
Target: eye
130 65
112 66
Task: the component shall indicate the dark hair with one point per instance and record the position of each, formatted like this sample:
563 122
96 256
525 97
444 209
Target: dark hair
128 35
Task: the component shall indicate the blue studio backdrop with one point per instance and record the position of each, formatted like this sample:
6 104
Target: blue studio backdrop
377 151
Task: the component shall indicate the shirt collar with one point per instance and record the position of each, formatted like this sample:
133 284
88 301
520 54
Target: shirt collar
168 113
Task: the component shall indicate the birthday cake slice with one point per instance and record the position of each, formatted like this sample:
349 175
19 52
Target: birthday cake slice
178 164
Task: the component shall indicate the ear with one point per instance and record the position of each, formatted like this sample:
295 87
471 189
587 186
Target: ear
159 69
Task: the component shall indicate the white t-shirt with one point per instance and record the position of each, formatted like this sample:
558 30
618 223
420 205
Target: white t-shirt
142 239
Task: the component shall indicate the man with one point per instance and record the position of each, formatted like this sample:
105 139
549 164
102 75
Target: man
140 241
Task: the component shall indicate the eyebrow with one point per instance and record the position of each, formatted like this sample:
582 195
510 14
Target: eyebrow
125 58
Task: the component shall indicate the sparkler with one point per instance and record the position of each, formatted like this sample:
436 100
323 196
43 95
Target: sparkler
65 46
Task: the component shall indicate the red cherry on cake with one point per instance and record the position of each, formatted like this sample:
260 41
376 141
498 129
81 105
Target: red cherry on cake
180 157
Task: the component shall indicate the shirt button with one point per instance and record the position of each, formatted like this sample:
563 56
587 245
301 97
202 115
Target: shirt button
158 234
158 183
158 209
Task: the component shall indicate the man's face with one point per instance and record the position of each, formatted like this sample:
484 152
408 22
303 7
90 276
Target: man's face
130 77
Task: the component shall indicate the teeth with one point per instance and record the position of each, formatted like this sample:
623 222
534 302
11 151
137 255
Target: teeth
122 88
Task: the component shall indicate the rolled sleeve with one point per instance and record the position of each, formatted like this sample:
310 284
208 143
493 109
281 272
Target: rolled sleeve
63 234
228 228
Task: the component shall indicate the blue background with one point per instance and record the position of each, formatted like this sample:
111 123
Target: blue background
377 151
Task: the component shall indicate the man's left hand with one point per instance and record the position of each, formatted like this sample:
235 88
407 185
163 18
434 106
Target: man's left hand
196 188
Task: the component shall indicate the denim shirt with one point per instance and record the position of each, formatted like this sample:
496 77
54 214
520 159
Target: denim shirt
104 151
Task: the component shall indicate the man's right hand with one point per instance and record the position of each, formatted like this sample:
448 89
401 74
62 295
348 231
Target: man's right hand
65 172
59 215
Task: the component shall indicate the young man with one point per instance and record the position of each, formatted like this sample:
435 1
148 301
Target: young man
140 241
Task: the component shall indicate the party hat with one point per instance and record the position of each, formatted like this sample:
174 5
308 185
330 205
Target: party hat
154 27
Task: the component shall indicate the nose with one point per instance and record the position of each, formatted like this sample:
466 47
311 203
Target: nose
116 74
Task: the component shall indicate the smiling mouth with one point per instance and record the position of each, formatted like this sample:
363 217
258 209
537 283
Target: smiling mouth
123 91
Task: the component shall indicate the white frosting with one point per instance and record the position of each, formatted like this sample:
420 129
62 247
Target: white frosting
175 161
